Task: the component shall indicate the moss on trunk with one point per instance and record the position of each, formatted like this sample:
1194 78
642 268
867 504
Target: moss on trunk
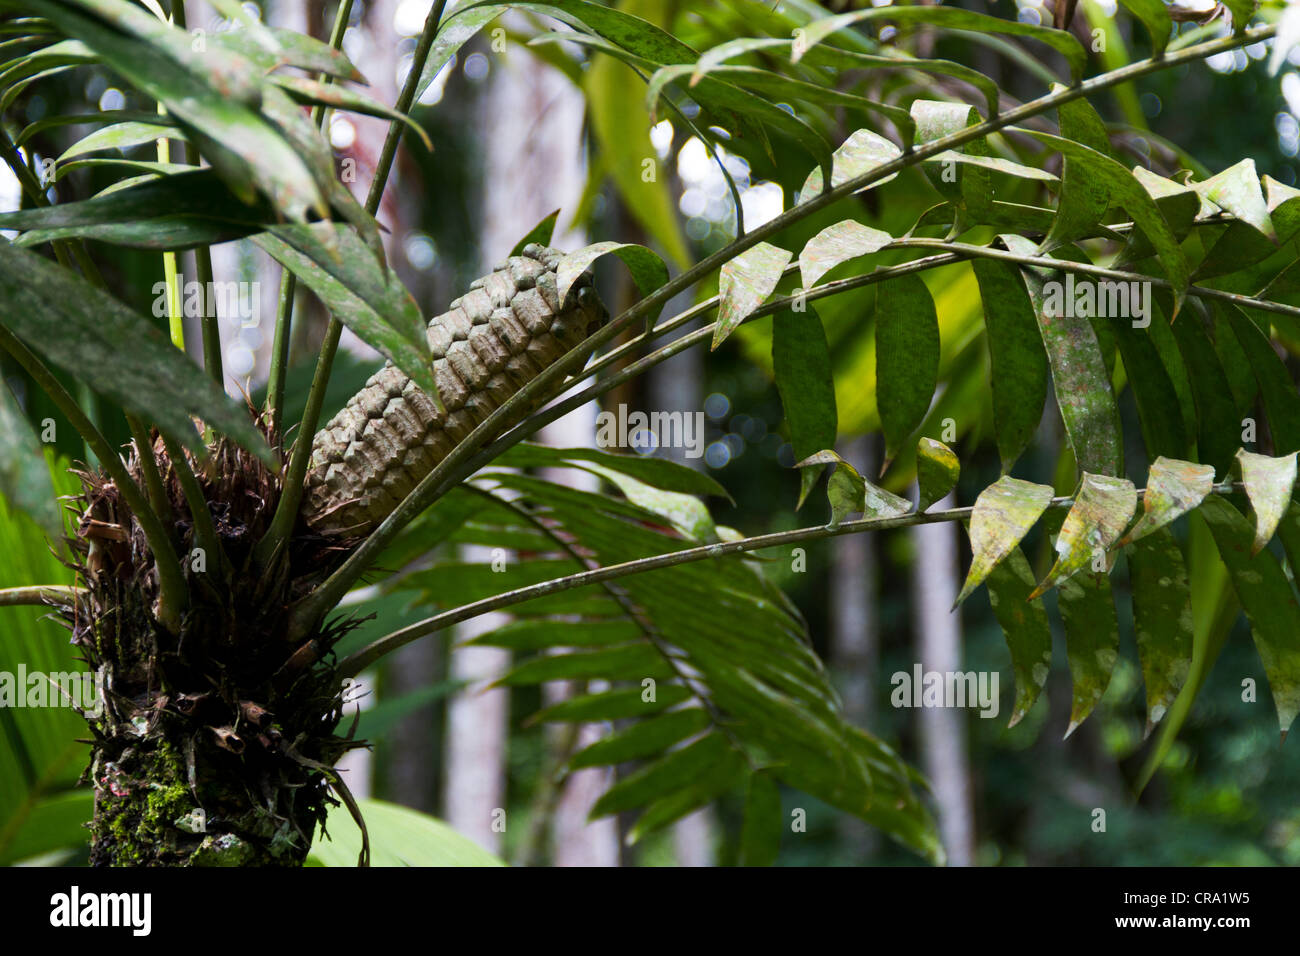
211 746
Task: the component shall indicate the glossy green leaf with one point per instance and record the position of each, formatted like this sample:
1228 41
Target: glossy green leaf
1003 513
727 775
648 270
1266 594
850 493
1269 483
1079 376
969 188
662 777
40 758
132 165
801 364
540 234
1179 205
209 95
1155 17
120 136
367 299
1242 246
1091 640
686 513
399 836
24 476
937 470
1084 194
951 18
312 92
907 358
661 473
760 835
456 29
1018 376
1026 628
292 49
628 662
174 212
646 738
1162 619
1219 426
613 705
1276 388
1160 413
1124 189
98 340
993 164
745 283
537 634
55 822
104 118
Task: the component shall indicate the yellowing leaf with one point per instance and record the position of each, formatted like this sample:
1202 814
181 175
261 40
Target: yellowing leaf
1003 513
858 155
744 284
937 470
1268 484
1101 511
1173 488
835 245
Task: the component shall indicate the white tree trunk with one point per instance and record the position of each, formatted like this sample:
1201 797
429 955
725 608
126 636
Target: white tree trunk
534 164
855 645
578 842
478 728
945 757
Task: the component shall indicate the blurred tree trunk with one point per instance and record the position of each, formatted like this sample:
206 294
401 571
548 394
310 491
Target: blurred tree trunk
577 842
474 799
409 767
536 167
855 645
945 758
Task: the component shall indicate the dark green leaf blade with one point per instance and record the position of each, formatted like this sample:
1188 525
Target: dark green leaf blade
101 342
801 363
1018 379
907 358
1269 600
24 476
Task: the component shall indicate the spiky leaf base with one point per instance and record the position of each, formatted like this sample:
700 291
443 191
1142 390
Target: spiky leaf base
213 745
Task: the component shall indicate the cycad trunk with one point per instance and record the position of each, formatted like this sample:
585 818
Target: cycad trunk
212 746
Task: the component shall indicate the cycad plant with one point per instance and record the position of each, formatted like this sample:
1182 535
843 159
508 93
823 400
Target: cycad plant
211 555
